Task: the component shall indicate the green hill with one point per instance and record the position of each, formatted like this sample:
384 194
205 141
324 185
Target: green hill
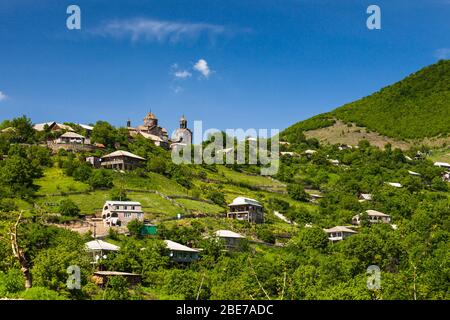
414 108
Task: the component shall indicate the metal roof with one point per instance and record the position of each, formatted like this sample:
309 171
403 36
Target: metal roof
123 153
228 234
175 246
95 245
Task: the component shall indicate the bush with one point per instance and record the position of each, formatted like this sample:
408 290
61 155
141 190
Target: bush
217 197
265 235
117 289
158 165
135 226
311 238
8 205
68 208
101 179
297 192
117 194
41 293
11 282
82 173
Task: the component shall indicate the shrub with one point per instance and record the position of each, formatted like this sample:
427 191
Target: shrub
101 179
68 208
41 293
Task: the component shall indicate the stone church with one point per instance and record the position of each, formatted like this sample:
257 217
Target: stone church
151 130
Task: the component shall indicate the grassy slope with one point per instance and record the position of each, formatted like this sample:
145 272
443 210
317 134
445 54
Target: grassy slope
155 206
416 107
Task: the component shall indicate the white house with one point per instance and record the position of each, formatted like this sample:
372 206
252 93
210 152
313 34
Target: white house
414 173
374 217
334 162
442 165
119 213
446 176
247 209
309 152
52 125
365 197
99 249
231 239
339 233
394 184
71 138
181 253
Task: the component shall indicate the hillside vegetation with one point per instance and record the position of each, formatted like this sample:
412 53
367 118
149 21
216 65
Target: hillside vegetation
413 108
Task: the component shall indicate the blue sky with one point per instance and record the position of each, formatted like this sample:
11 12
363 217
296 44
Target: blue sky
233 64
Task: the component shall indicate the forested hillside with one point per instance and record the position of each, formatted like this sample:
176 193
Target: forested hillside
413 108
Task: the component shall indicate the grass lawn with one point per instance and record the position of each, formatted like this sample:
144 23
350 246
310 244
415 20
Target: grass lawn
155 204
54 181
199 206
248 179
441 155
154 181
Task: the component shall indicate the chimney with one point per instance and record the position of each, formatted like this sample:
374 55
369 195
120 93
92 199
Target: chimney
128 123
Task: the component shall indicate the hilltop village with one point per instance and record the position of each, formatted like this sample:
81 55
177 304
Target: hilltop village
111 201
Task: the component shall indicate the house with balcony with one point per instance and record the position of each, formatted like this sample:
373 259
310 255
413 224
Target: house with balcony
339 233
70 138
100 250
121 160
373 216
119 213
246 209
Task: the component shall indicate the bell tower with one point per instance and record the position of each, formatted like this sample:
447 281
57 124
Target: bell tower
150 120
183 122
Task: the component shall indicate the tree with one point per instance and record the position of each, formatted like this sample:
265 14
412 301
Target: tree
104 133
83 172
68 208
118 194
157 164
265 234
135 226
438 184
297 192
311 238
216 196
23 130
101 179
17 175
51 263
18 252
117 289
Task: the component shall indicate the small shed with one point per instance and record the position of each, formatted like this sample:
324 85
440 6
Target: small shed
149 230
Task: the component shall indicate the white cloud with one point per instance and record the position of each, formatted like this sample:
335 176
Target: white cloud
3 96
182 74
202 67
443 53
158 30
